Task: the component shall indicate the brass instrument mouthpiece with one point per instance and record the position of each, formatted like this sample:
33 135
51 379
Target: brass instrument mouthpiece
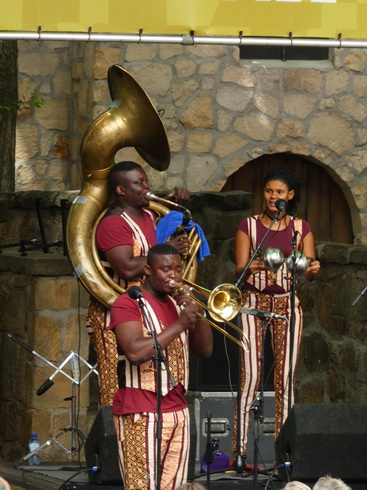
183 210
152 196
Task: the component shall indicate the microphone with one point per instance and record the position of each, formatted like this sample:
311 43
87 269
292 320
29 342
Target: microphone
135 292
262 314
45 386
281 205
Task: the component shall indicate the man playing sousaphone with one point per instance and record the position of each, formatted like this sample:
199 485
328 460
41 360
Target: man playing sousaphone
124 236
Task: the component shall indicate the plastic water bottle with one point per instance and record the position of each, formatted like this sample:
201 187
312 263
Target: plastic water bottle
34 443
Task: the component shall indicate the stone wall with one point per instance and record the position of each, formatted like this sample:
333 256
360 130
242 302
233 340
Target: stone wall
44 308
333 359
220 112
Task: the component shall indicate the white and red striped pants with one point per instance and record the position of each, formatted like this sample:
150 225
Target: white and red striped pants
251 360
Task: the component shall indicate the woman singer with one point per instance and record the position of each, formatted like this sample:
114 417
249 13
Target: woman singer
270 290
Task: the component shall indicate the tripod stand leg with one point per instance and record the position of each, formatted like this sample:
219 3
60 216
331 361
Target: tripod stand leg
45 444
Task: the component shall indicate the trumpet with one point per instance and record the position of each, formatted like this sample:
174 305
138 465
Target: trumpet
225 298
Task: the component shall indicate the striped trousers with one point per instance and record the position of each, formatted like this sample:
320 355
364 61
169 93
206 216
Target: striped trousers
251 360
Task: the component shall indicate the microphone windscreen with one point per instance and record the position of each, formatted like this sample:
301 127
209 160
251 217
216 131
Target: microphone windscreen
45 386
280 204
135 292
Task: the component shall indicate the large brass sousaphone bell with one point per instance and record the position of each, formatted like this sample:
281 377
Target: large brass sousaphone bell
131 121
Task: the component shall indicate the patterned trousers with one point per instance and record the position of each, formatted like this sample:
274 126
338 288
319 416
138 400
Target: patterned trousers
137 442
104 342
251 360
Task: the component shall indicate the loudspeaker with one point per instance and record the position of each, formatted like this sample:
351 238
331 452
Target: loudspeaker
101 449
323 439
220 372
221 407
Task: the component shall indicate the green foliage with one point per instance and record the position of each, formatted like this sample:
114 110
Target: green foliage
34 101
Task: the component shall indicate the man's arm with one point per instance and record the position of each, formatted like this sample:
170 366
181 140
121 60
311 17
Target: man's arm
138 348
201 339
124 264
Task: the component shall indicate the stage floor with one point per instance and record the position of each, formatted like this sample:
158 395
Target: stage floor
69 477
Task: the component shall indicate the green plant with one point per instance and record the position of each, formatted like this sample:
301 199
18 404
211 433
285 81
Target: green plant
33 101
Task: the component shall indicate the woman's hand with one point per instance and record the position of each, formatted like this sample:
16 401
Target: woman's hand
256 266
312 270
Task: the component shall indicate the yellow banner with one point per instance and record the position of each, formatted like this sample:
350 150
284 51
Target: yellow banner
304 18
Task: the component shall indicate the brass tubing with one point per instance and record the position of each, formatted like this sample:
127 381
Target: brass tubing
194 247
245 344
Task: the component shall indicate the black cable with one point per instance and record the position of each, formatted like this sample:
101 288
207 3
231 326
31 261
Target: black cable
79 369
95 469
270 480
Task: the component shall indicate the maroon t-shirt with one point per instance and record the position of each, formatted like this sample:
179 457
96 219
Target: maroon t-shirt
114 231
280 239
132 400
270 282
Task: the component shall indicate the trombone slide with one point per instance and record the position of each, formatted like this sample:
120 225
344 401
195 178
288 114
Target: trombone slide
244 343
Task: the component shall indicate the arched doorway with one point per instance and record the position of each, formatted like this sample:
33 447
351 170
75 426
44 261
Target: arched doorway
322 204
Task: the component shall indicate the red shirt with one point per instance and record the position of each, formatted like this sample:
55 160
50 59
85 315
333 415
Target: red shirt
132 400
114 231
267 281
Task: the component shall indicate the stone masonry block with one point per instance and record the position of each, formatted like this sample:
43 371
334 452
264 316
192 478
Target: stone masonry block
55 294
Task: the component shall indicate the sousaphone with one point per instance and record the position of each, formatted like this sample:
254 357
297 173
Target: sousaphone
131 121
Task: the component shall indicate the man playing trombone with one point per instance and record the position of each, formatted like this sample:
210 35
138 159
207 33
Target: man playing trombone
150 411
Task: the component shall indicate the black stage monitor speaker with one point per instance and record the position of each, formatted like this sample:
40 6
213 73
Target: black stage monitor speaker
101 449
323 439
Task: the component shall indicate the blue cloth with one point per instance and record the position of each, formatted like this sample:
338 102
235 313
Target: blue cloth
168 225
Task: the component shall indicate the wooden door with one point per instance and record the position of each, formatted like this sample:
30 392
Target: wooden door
322 203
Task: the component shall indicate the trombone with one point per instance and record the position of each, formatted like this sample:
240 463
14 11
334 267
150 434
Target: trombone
224 302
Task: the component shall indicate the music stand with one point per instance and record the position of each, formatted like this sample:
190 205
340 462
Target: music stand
75 360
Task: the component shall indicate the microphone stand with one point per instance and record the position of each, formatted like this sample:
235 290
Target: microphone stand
292 320
208 456
159 358
359 296
241 279
258 409
239 463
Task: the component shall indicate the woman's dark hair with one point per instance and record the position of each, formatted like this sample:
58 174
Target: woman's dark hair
288 177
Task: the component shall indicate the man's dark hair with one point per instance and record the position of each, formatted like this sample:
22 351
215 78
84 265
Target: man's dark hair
113 178
160 249
287 176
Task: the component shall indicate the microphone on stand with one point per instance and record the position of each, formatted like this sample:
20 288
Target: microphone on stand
46 385
281 205
135 292
262 314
